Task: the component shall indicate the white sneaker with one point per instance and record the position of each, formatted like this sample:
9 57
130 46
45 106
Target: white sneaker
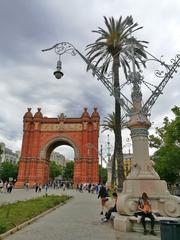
104 220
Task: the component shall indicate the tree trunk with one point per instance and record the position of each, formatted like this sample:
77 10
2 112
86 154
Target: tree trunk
113 169
118 136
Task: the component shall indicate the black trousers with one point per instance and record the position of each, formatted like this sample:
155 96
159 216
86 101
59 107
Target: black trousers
108 214
148 215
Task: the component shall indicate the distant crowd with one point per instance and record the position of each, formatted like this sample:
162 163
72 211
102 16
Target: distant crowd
6 187
91 188
65 185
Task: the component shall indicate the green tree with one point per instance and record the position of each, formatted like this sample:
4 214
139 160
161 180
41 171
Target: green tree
103 174
167 143
8 170
112 50
109 124
1 151
69 171
55 170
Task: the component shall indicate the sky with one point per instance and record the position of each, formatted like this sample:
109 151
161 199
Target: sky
26 73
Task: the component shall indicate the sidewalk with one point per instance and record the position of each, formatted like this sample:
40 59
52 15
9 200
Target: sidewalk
79 219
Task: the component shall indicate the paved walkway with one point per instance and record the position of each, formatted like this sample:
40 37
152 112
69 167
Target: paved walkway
79 219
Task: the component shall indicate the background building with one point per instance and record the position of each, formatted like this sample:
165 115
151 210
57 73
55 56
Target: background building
127 162
58 158
8 155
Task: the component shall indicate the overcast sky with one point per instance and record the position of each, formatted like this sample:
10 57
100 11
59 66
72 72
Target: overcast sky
26 74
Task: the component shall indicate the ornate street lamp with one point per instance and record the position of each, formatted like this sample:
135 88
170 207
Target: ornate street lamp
142 177
100 153
58 73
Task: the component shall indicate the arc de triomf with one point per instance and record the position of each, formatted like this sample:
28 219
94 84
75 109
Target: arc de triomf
41 135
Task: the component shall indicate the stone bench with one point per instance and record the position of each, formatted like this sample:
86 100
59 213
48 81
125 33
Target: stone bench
132 224
137 225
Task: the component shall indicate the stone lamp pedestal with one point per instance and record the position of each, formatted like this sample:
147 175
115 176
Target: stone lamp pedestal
143 177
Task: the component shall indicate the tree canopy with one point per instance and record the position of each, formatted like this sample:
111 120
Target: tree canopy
69 171
8 170
1 151
55 170
167 143
103 174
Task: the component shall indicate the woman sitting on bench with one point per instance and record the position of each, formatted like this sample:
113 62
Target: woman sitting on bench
146 211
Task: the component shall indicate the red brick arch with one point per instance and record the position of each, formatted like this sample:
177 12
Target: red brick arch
42 135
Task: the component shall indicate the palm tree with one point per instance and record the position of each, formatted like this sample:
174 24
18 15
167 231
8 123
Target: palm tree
109 124
113 49
1 151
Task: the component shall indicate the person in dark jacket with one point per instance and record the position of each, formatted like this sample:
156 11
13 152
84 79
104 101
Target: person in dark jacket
112 209
103 195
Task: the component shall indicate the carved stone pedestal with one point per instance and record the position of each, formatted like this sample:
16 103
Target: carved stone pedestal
162 201
143 177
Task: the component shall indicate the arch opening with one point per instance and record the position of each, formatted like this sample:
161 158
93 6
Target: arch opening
62 147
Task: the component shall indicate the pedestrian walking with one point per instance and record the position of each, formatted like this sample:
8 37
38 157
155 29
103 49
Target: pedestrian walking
46 187
36 187
27 186
5 187
81 188
103 195
1 186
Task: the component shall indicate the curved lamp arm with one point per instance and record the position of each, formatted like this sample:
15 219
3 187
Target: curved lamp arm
65 47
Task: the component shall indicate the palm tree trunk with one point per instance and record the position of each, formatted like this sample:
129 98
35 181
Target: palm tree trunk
118 147
113 169
118 136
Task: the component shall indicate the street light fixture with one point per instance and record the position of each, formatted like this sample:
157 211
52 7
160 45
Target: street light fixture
100 153
58 73
135 78
142 173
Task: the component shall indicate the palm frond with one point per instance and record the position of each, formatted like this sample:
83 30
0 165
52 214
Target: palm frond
117 39
109 122
108 25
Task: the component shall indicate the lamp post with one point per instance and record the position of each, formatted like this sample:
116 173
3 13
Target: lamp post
127 156
128 144
100 153
142 174
109 165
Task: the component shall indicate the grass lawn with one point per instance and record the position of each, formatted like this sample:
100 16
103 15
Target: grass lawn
11 215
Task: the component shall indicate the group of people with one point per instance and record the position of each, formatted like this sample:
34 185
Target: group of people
91 188
6 187
144 209
61 184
